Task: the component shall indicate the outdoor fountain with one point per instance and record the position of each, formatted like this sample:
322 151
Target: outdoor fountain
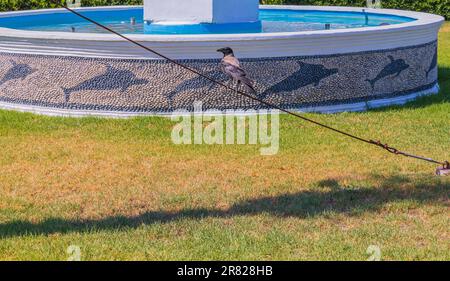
307 58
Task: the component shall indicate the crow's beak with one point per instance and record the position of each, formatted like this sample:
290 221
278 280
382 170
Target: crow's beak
220 50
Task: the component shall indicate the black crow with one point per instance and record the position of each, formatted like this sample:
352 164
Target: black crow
231 66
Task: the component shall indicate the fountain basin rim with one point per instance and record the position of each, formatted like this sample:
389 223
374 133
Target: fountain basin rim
421 20
247 45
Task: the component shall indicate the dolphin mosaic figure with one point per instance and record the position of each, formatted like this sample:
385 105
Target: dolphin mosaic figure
433 64
307 74
17 71
394 67
112 79
196 83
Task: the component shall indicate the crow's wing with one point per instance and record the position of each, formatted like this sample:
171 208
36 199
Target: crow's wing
232 67
238 74
235 72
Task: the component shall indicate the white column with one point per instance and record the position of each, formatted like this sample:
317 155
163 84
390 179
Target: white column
201 11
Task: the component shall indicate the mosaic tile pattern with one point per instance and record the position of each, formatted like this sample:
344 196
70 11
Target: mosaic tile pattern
159 86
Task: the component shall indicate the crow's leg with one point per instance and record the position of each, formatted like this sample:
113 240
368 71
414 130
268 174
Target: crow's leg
238 83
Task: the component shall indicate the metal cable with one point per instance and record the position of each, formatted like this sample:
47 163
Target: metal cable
379 144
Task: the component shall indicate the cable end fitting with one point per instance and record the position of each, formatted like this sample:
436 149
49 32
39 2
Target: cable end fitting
444 170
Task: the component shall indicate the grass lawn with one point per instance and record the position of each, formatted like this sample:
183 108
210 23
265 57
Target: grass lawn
120 190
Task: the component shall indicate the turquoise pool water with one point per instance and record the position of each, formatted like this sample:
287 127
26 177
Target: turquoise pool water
271 21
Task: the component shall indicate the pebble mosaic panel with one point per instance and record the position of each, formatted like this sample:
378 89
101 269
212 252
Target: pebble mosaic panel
159 86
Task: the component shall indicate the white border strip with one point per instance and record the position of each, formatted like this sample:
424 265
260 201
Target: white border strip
353 107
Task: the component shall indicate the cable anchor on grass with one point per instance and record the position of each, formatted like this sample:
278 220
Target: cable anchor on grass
441 171
444 170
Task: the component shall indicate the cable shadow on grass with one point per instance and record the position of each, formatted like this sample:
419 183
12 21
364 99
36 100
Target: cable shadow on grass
328 197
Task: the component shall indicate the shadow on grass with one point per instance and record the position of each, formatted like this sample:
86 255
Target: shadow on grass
442 97
328 197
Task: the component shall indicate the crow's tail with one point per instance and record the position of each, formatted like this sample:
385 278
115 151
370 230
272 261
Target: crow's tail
248 84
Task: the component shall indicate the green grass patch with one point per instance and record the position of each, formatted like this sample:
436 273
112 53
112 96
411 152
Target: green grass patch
120 190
